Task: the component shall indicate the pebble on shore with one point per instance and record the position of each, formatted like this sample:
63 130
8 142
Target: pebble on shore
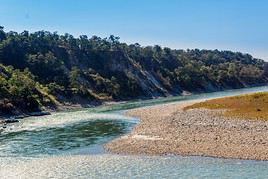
168 129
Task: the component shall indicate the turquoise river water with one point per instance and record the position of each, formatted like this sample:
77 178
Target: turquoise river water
69 145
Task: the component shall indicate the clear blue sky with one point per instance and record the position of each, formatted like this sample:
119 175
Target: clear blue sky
238 25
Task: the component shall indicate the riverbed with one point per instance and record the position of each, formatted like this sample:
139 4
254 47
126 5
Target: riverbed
69 144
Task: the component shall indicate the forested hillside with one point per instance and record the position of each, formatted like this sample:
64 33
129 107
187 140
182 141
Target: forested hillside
45 69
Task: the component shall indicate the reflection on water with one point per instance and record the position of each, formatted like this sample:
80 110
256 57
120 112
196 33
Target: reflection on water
60 139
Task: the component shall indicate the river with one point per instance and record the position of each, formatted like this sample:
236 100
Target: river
69 145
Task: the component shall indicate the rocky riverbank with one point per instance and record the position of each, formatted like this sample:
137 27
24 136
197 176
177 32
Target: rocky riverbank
7 119
169 129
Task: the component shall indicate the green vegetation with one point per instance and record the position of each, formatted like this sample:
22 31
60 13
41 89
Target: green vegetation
249 106
19 89
47 69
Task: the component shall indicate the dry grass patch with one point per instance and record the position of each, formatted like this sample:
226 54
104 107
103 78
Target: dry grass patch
249 106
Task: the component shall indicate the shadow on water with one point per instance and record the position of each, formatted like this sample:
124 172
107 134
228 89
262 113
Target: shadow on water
61 139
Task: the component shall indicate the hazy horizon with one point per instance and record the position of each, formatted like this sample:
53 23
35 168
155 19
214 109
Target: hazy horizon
236 26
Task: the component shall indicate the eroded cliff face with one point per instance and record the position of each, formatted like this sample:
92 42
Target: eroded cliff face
136 81
121 66
46 70
150 86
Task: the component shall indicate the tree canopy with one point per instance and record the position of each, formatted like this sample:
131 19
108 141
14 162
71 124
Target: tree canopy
44 68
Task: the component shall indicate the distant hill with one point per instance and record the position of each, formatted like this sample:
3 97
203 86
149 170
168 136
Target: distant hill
43 69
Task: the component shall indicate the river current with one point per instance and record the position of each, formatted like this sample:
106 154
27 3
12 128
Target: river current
69 145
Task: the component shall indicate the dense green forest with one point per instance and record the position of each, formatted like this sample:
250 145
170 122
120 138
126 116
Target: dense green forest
44 69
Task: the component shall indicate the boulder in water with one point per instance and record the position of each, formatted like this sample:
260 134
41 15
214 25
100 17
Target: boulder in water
41 113
11 120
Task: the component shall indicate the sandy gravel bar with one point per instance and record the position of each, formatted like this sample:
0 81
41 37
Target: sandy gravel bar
168 129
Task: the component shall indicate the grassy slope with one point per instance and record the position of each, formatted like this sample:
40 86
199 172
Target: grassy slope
249 106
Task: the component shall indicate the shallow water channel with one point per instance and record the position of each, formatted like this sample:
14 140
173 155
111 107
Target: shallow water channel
69 144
